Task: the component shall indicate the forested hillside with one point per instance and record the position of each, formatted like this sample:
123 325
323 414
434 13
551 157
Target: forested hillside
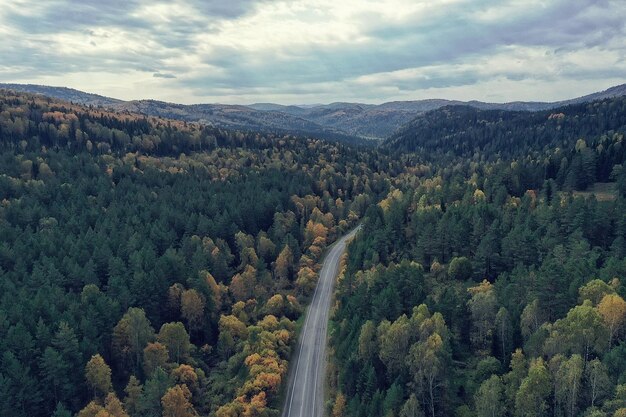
489 283
461 131
355 123
151 267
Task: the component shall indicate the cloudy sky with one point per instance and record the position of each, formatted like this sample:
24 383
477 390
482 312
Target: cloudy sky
316 51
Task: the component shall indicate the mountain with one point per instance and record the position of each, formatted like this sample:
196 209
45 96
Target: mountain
228 116
381 121
64 93
463 130
350 122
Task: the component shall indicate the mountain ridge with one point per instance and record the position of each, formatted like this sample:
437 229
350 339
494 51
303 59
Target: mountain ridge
342 120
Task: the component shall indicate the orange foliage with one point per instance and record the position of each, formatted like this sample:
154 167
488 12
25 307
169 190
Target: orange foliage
186 375
176 402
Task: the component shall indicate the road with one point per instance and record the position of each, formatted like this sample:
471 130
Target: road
307 376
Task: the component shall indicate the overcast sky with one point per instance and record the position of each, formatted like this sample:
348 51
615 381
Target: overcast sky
316 51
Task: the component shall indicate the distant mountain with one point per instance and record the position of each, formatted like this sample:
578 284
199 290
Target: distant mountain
381 121
617 91
345 121
235 117
64 93
219 115
463 130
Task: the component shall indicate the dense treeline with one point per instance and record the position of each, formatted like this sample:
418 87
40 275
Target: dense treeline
443 136
486 286
152 267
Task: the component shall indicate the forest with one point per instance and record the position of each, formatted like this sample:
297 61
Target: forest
152 267
491 282
155 267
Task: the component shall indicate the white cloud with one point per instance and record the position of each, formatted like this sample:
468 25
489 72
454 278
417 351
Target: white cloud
297 51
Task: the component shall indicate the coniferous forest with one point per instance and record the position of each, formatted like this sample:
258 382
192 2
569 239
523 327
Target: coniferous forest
491 281
146 263
153 267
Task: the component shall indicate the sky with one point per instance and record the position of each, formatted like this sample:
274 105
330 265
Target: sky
316 51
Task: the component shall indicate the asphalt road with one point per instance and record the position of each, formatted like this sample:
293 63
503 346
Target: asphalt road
305 390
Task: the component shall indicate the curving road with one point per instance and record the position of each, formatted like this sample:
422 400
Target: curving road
305 390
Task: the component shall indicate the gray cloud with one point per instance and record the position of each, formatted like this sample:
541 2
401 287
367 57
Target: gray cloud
440 47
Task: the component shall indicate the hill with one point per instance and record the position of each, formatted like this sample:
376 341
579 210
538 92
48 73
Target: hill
464 130
149 262
64 93
351 122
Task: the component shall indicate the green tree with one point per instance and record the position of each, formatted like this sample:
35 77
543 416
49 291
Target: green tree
426 360
61 411
133 392
503 331
483 307
582 331
176 339
460 269
394 344
594 291
570 376
598 381
513 379
155 387
367 341
412 408
531 398
490 398
130 336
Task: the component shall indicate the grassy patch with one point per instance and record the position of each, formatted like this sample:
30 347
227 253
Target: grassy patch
602 191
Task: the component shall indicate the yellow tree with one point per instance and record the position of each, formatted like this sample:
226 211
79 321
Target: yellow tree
306 280
192 309
98 375
275 305
185 375
90 410
313 231
339 408
283 266
176 402
612 308
154 355
242 285
114 406
231 331
257 405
